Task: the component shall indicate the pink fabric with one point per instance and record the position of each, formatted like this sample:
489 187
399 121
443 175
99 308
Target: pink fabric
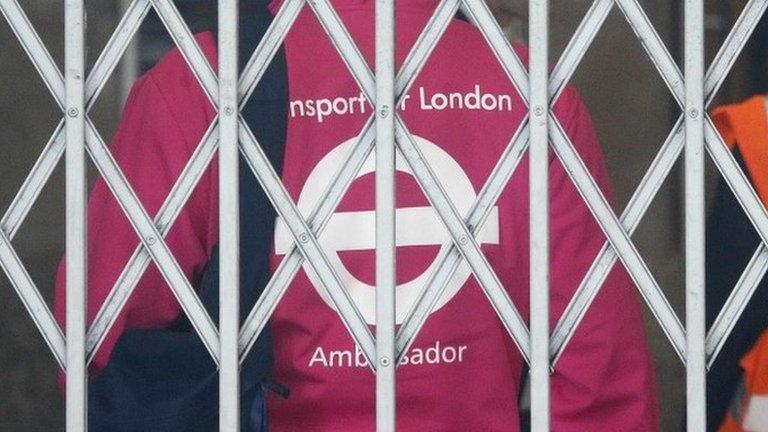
464 374
165 117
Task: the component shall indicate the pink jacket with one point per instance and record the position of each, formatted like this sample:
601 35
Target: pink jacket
463 372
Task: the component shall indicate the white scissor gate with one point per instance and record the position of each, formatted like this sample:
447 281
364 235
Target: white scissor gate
75 91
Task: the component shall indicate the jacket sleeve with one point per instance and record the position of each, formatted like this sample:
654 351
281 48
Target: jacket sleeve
152 146
604 379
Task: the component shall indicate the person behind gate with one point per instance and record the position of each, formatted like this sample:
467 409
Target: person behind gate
463 372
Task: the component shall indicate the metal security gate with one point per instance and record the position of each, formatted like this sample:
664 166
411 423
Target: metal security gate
75 92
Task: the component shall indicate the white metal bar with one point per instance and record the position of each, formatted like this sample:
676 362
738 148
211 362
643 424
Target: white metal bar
605 216
578 46
33 301
95 82
33 185
229 218
736 179
617 236
188 47
696 410
34 182
307 242
346 46
76 243
457 229
500 44
459 232
731 48
293 260
654 46
425 44
11 263
646 283
463 239
152 240
651 184
53 151
270 181
116 46
386 265
758 265
448 263
693 95
129 66
186 182
607 257
539 214
752 275
166 216
326 205
30 41
736 303
267 48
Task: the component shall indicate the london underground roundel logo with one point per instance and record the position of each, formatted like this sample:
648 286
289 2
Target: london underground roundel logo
416 226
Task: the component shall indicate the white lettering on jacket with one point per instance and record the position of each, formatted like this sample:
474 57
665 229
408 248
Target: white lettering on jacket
433 355
476 99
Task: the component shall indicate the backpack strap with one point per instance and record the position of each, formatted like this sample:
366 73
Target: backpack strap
164 380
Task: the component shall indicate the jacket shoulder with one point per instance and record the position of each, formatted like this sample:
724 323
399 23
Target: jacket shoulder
173 80
744 128
740 121
173 65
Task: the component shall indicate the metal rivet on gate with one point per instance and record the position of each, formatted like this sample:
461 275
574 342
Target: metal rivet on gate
463 240
228 110
151 241
384 361
384 111
538 110
73 112
694 113
304 237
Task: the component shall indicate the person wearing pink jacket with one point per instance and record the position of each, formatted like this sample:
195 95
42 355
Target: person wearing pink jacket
463 372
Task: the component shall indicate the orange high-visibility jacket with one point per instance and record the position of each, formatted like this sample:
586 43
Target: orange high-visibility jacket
745 126
749 412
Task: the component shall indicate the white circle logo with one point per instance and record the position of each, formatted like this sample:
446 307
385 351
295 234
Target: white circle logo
416 226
